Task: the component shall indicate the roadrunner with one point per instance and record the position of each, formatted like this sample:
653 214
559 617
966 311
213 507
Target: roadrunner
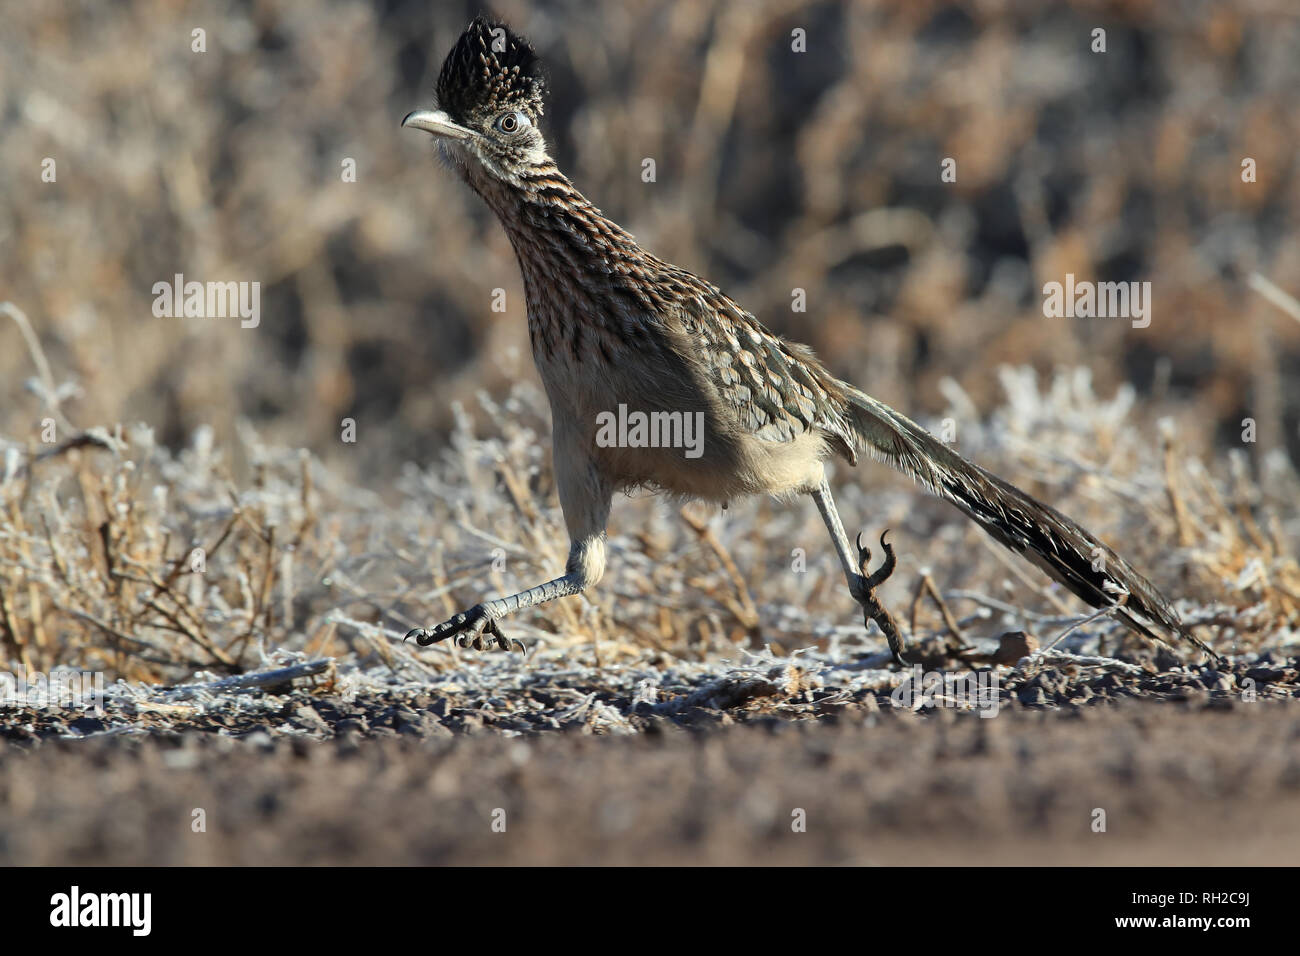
615 329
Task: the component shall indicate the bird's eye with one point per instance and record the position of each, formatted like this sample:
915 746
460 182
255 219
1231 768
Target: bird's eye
512 122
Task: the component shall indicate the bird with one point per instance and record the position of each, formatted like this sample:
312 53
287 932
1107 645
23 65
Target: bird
614 328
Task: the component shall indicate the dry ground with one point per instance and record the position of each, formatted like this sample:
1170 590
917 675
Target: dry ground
590 768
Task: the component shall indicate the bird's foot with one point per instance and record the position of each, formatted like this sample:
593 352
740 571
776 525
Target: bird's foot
475 628
865 594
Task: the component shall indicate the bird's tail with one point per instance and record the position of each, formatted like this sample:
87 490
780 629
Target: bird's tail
1043 535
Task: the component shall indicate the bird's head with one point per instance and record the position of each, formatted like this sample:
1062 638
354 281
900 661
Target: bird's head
490 101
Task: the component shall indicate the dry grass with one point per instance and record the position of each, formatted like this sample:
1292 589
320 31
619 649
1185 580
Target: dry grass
775 171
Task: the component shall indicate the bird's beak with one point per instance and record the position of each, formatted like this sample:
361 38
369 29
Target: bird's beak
436 122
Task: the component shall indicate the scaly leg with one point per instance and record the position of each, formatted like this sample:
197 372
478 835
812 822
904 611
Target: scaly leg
585 498
861 586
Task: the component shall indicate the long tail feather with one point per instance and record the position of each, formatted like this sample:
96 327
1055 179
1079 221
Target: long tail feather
1067 552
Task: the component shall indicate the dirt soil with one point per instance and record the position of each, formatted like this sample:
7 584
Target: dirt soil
1179 766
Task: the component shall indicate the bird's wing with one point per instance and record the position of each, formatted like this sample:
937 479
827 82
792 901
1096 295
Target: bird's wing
777 389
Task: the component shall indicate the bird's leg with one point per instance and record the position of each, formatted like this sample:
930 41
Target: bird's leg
585 499
468 627
861 584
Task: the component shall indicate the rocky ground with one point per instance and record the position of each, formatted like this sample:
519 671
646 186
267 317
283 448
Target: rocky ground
803 760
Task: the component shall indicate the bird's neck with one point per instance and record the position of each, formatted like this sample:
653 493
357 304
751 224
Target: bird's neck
545 215
578 266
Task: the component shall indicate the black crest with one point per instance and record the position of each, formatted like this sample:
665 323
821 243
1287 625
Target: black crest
490 69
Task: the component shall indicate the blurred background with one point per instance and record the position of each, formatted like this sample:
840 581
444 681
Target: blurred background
775 170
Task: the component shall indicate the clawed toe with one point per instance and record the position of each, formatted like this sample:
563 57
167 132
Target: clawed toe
503 642
882 573
468 629
872 609
495 636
